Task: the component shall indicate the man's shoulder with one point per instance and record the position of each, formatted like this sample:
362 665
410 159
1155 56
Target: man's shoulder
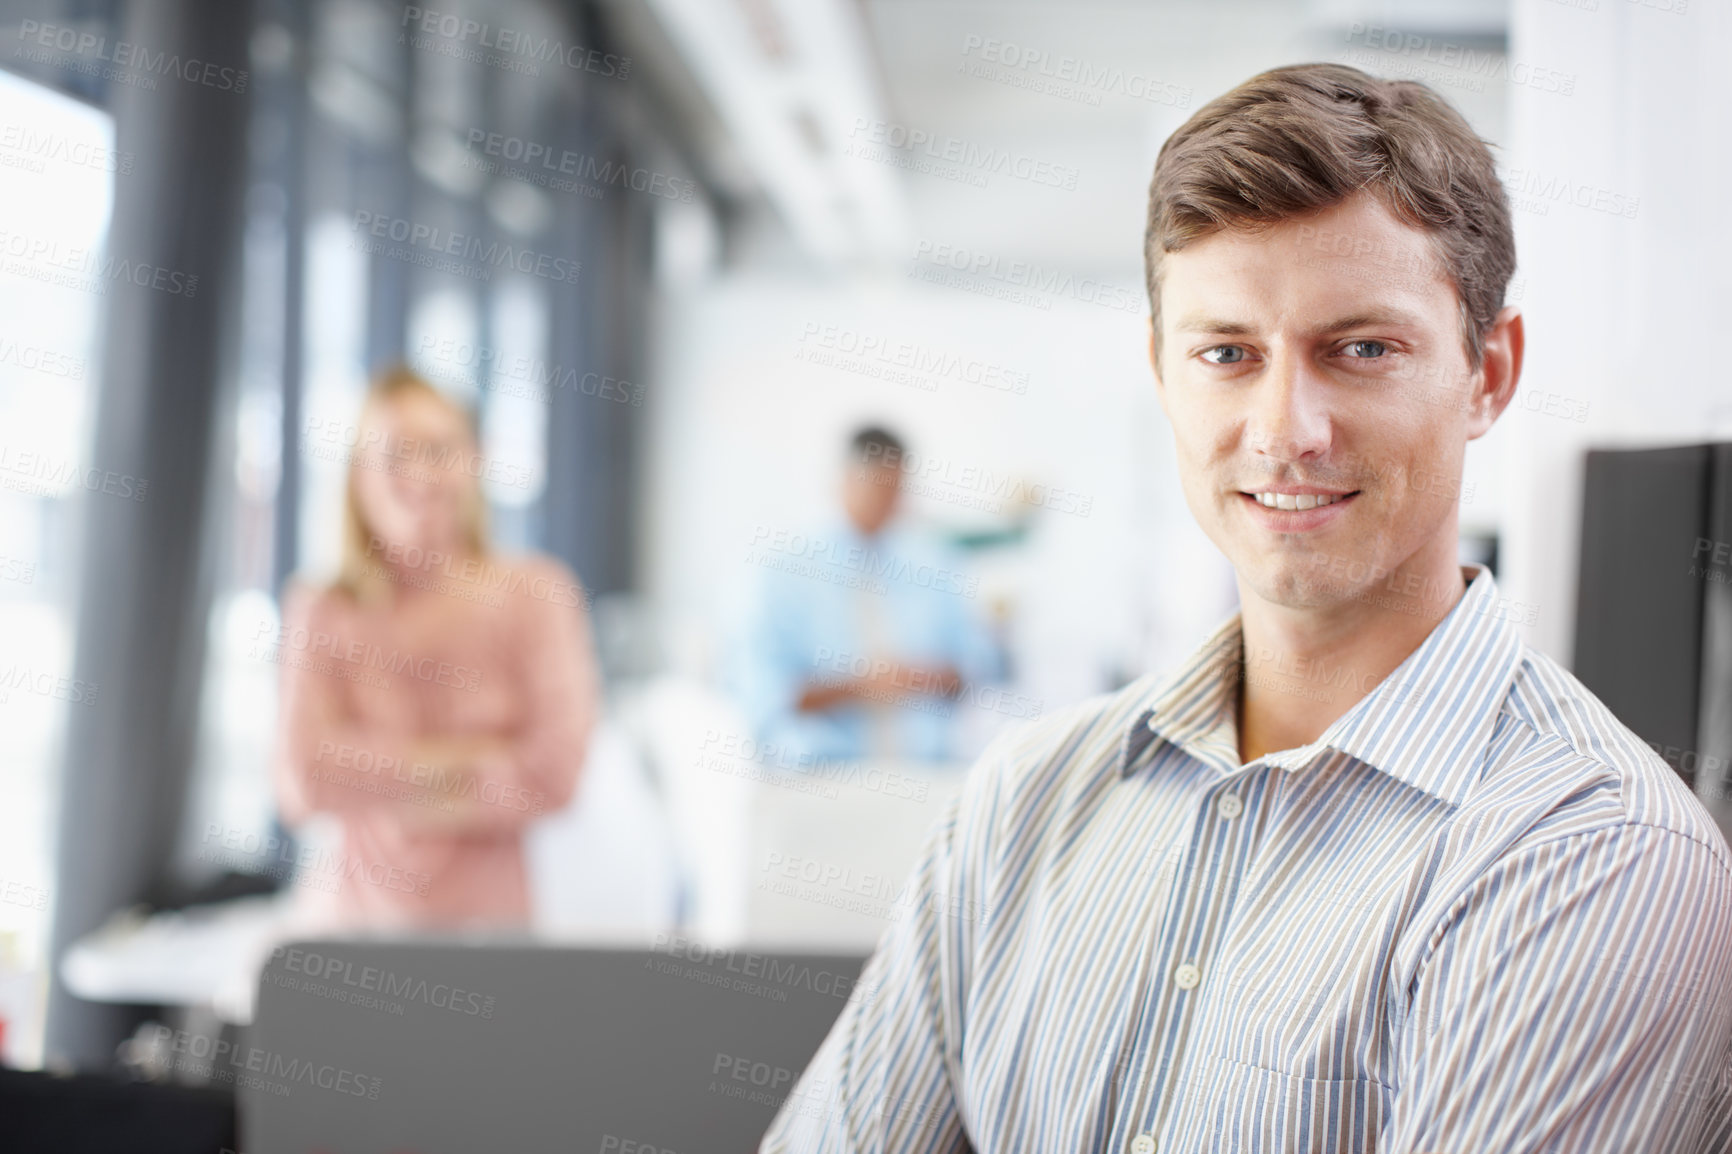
1591 770
1073 749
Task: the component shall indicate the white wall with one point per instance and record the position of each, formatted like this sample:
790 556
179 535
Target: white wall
1625 313
744 432
1626 295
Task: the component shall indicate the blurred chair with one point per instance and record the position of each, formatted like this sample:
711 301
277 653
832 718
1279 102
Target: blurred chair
743 812
606 864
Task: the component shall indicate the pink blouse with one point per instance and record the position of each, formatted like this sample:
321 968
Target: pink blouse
499 651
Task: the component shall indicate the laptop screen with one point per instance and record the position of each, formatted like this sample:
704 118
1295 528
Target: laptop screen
388 1047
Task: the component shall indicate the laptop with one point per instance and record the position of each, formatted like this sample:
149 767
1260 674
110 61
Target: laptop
440 1047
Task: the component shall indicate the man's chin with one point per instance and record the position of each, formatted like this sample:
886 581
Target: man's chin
1297 585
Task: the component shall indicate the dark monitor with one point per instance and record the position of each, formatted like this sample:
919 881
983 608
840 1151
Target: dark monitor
1643 599
374 1047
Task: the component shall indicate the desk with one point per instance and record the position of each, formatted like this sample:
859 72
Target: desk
829 868
802 859
205 955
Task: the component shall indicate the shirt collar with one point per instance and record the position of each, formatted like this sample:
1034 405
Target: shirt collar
887 540
1425 724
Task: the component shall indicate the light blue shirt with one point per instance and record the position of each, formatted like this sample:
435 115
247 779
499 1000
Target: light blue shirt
1476 915
814 604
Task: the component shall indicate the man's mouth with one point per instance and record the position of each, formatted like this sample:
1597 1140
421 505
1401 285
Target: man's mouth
1299 501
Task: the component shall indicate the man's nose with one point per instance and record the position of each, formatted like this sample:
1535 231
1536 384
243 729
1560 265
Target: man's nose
1289 418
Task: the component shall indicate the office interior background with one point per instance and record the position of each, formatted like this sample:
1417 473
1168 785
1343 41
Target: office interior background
739 230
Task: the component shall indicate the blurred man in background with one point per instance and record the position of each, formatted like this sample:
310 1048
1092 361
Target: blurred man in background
861 637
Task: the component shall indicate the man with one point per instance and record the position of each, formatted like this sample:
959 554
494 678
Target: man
1366 873
860 636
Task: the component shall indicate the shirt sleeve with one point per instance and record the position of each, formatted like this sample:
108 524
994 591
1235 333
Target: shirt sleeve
538 770
1577 998
888 1078
970 643
775 659
315 724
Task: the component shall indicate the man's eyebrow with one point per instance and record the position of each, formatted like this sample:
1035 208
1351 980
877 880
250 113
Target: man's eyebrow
1199 323
1371 318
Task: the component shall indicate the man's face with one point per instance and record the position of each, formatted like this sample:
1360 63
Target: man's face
1319 365
869 492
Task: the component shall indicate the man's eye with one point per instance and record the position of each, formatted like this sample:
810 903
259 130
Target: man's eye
1366 350
1228 355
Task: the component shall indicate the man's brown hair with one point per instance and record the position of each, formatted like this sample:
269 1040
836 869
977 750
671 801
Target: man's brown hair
1299 139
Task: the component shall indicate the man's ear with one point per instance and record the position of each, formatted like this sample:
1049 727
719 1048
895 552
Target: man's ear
1500 369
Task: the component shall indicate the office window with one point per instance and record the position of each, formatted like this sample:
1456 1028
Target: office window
58 170
384 150
514 424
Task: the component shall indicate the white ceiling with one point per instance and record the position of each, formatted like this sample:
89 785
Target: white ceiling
1207 47
905 64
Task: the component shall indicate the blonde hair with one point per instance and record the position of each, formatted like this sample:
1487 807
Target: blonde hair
358 574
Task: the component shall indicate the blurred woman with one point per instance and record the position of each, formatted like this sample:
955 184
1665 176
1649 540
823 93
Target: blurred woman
437 697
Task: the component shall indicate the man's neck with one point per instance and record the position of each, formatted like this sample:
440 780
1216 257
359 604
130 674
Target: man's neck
1306 667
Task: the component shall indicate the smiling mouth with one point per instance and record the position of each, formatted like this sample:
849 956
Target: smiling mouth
1299 501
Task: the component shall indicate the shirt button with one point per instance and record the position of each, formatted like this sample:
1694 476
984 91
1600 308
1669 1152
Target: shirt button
1229 806
1187 976
1144 1144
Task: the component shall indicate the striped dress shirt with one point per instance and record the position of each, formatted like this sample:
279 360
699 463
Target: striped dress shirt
1477 915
